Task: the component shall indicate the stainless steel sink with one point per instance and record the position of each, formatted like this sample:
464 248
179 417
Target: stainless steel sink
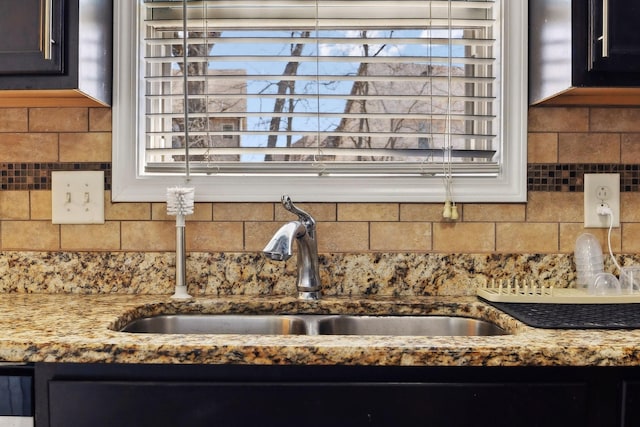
406 326
307 324
218 324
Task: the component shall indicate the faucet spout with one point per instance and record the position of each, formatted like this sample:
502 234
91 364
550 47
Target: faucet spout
280 248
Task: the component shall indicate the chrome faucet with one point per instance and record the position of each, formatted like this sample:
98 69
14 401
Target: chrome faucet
280 248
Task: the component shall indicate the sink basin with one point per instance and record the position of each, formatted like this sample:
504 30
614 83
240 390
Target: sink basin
218 324
307 324
406 326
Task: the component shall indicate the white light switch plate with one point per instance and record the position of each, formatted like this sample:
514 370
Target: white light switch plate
601 188
77 197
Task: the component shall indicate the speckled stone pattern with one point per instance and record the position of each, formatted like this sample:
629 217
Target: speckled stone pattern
69 307
220 274
84 328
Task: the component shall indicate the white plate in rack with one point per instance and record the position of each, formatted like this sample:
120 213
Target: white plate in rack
553 296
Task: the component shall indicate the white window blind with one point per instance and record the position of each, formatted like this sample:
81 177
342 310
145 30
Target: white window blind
321 87
343 100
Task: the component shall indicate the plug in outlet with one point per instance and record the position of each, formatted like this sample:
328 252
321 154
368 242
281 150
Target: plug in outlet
601 189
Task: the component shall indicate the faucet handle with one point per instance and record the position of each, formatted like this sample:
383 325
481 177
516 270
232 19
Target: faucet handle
304 217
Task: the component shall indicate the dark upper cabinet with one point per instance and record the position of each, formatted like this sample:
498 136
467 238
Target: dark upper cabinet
614 53
30 37
584 52
55 51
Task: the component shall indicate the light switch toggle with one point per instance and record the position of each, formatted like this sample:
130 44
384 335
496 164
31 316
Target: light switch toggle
77 197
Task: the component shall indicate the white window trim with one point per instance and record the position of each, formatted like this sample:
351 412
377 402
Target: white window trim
129 186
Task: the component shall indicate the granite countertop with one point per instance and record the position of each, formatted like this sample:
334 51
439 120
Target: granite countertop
83 328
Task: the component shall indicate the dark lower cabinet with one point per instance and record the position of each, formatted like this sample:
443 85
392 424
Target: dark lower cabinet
631 403
96 395
166 403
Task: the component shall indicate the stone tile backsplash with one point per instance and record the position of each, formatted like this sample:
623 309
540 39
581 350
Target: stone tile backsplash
563 144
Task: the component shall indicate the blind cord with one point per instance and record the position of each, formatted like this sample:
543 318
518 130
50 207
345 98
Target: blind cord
185 82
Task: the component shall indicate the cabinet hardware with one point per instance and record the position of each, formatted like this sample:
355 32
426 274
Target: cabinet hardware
47 21
605 29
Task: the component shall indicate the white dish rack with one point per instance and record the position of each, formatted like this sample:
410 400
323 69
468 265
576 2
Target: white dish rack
513 291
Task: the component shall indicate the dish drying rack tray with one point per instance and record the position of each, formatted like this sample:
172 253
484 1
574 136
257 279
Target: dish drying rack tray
526 293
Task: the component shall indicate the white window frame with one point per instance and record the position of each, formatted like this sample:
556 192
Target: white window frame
509 186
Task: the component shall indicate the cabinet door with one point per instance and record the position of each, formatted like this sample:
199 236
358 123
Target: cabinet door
31 37
76 403
631 403
615 36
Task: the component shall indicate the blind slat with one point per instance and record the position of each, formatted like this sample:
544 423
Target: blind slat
424 153
332 24
475 136
477 118
276 77
321 39
390 169
252 4
164 98
324 59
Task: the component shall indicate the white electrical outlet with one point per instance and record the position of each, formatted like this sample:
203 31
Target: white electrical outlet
601 189
77 197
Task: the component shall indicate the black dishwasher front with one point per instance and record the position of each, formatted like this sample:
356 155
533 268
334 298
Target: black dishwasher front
16 395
